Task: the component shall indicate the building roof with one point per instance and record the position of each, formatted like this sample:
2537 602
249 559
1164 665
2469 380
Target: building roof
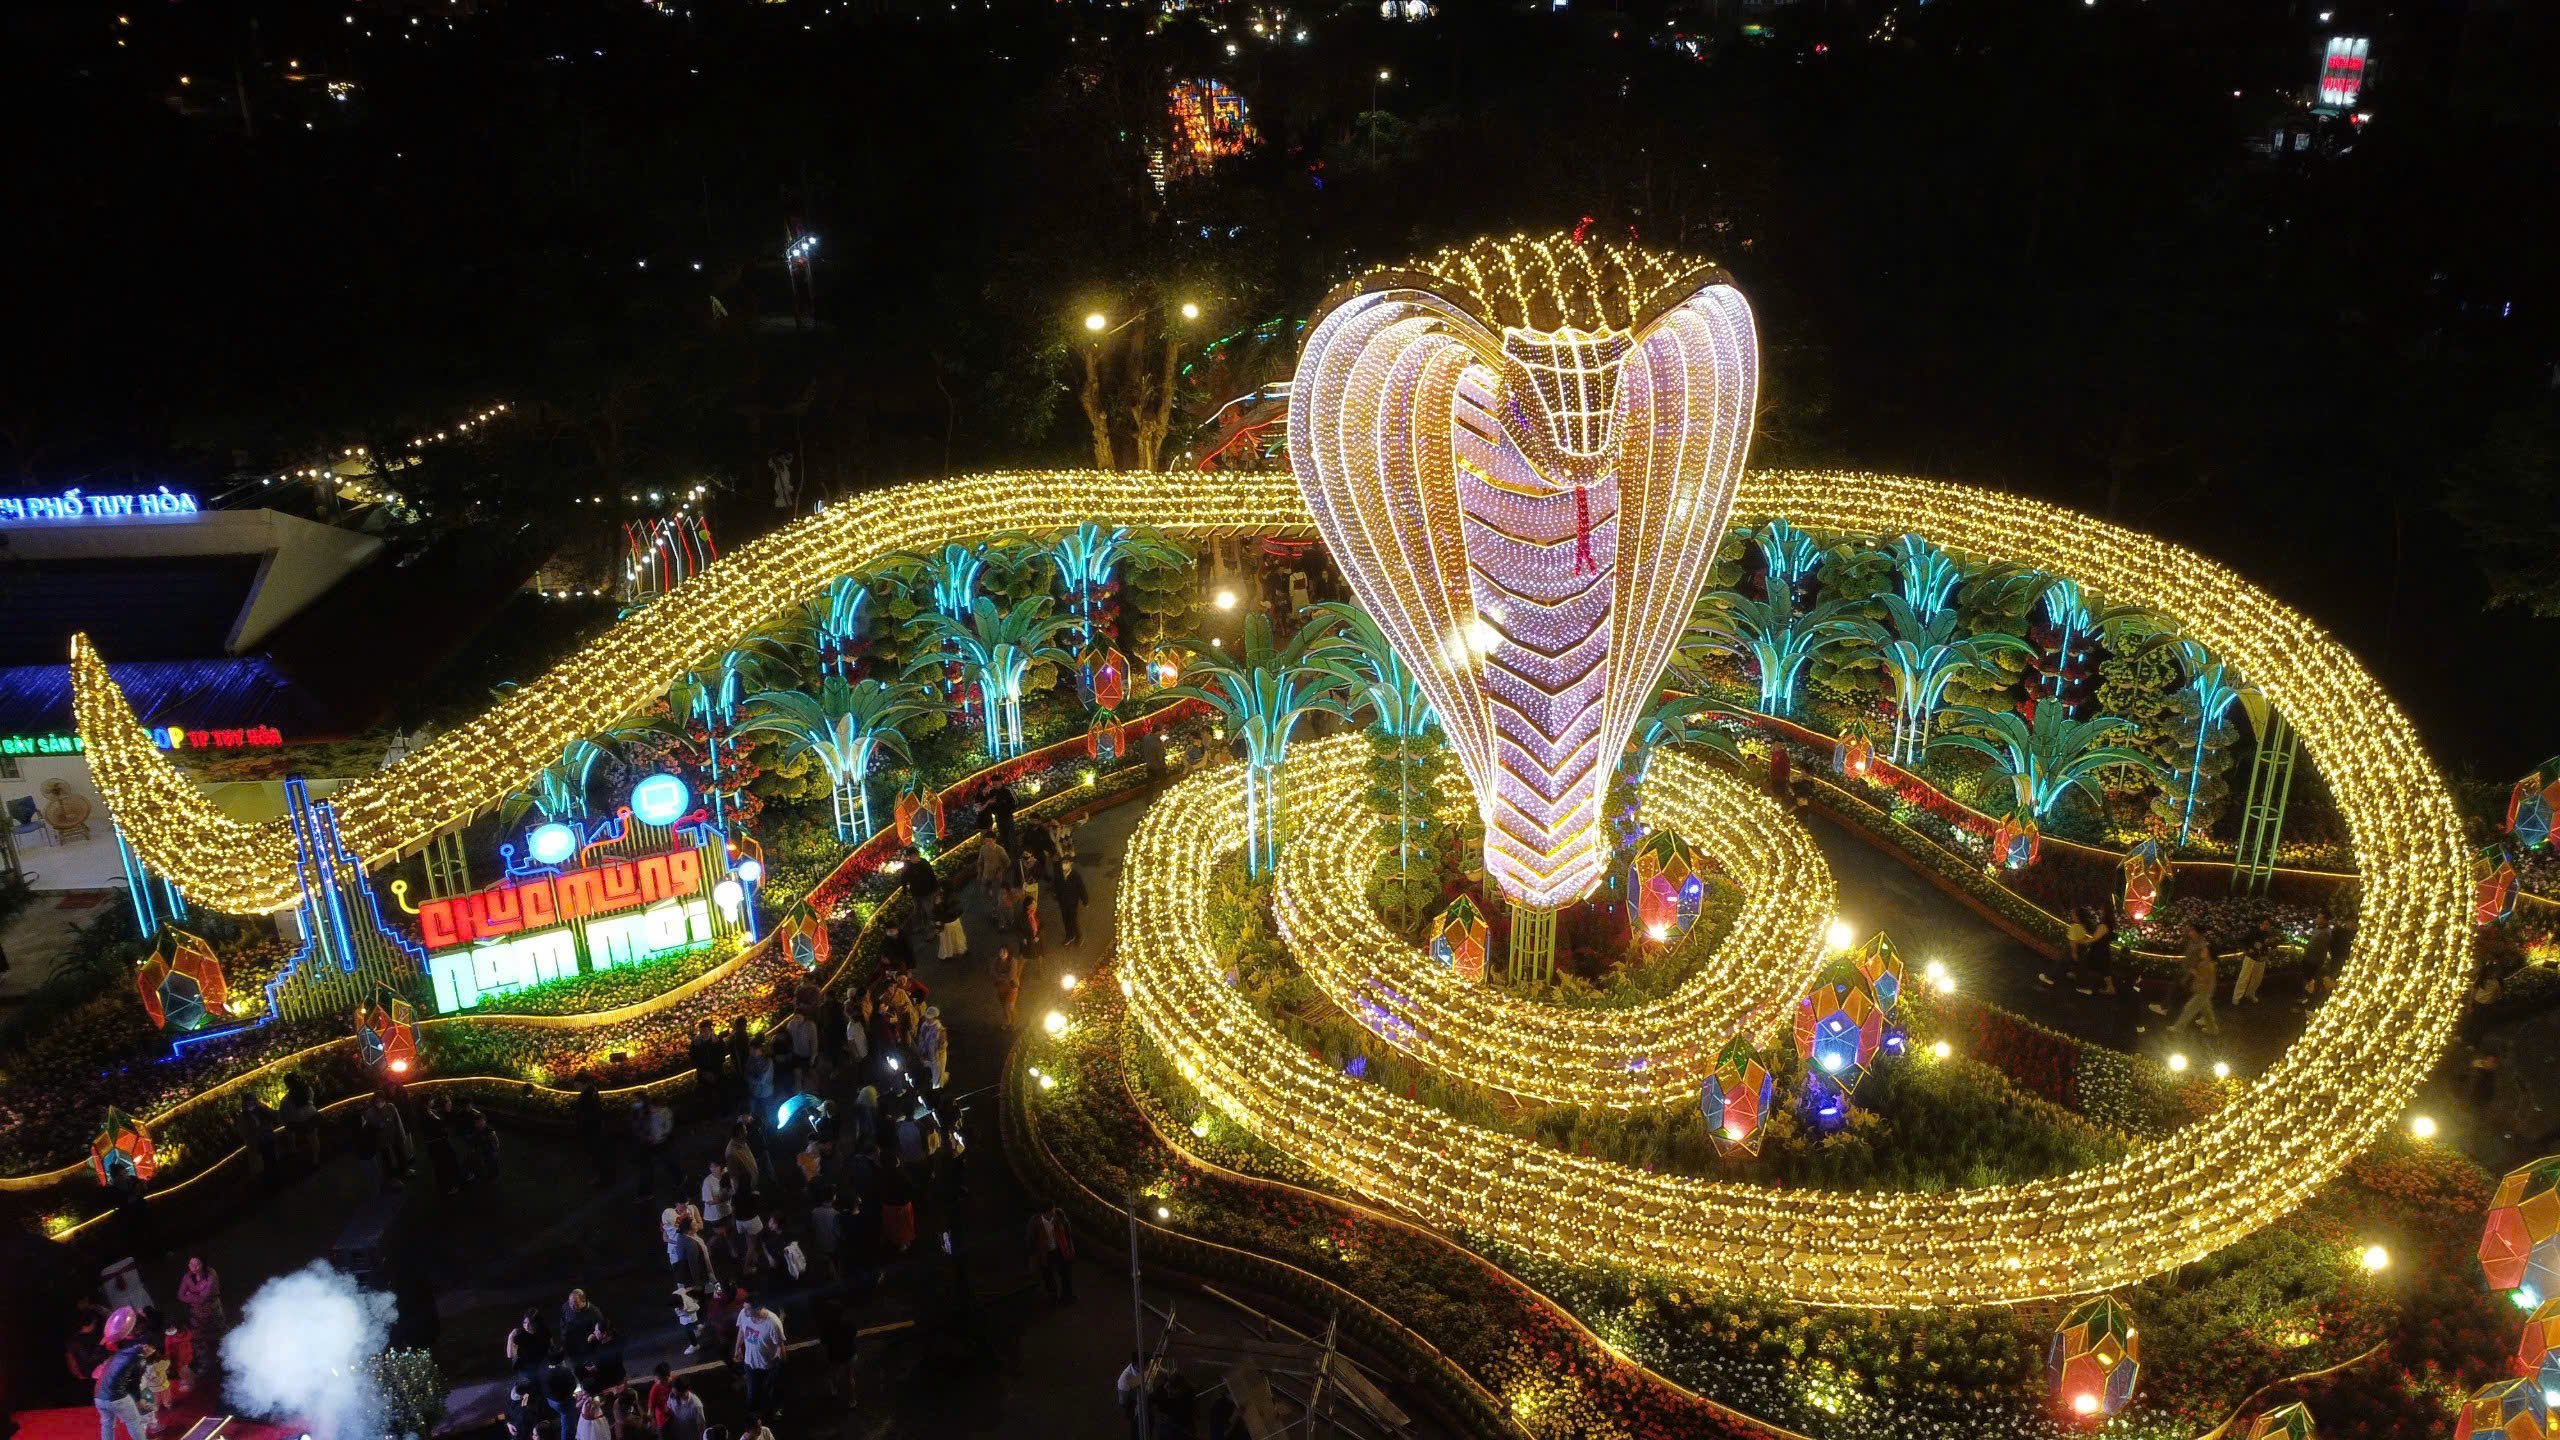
235 692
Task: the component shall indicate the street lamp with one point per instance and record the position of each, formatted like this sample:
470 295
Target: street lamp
1190 311
1096 320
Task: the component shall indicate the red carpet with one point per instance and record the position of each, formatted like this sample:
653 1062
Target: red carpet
181 1419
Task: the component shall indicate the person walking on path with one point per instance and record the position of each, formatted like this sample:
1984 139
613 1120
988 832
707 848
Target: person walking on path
2202 976
653 1122
1008 977
2318 948
578 1321
897 1205
1072 899
258 1135
717 1193
1053 1252
529 1348
200 1290
385 1139
118 1393
760 1349
2253 964
994 861
684 1412
301 1115
740 1158
1000 808
933 1047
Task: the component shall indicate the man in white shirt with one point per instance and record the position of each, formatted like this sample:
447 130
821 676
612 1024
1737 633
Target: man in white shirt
760 1350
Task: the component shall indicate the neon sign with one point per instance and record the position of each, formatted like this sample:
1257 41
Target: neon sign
539 926
2342 71
167 737
535 904
71 504
501 967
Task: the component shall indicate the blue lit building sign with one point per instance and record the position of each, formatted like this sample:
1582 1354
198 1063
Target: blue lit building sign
160 504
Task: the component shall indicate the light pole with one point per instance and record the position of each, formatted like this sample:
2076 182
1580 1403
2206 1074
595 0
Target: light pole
1373 110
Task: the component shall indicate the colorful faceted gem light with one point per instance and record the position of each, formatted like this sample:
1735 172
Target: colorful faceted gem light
1879 967
2289 1422
2505 1410
1854 753
2493 896
2146 874
122 1149
2095 1359
1670 887
1735 1100
2520 1244
1522 453
1839 1029
1460 938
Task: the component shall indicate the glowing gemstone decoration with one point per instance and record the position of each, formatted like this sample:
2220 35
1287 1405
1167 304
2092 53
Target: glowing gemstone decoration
1669 886
2504 1410
2530 803
1109 670
552 842
122 1150
1106 739
2520 1243
1460 937
387 1033
2019 840
1522 454
1879 967
2493 896
2538 1350
2146 875
2095 1358
1839 1029
183 989
1854 753
660 800
2288 1422
1735 1100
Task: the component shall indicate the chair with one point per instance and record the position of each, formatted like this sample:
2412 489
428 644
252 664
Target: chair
23 819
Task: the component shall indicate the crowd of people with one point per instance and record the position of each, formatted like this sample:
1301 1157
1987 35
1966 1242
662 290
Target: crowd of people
838 1150
840 1147
134 1359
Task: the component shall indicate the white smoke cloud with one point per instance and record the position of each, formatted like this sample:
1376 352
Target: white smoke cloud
303 1352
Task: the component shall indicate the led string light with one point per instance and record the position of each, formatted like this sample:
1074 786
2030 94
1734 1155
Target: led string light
1521 453
1653 1054
2210 1184
248 869
2361 1056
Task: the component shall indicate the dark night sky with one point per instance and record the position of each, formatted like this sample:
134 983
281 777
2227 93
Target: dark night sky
2024 243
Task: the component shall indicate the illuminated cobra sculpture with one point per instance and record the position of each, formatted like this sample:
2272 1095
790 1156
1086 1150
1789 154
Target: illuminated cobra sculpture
1523 454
